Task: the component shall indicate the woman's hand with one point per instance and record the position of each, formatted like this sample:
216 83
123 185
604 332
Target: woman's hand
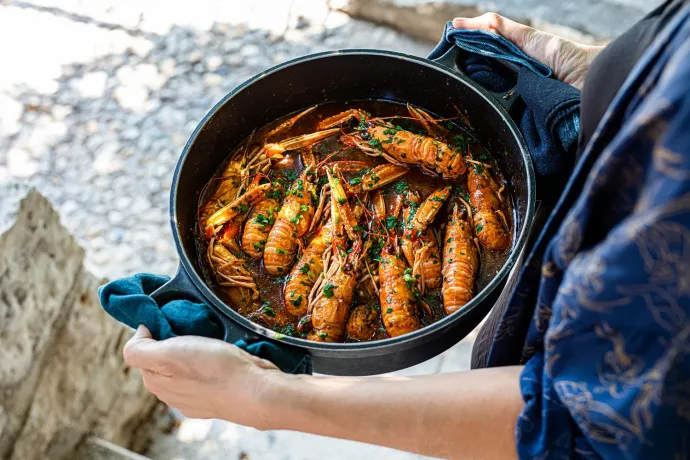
206 378
203 378
569 60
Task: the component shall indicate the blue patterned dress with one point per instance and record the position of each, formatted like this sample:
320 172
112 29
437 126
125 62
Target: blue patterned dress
600 316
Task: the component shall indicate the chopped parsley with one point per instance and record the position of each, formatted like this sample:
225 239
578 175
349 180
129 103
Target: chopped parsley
274 194
479 227
391 221
285 330
297 301
267 310
328 290
264 220
376 144
460 142
461 192
401 187
358 176
376 249
290 175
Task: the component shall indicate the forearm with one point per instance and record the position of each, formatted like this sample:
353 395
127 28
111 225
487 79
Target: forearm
460 415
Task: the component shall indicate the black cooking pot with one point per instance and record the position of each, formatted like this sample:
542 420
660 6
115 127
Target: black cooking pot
345 76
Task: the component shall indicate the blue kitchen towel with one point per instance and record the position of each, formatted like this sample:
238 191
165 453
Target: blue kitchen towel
129 301
488 44
549 115
549 123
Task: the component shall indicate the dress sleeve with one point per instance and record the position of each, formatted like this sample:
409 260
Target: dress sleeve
608 367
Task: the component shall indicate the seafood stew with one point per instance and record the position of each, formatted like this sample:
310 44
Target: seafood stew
355 222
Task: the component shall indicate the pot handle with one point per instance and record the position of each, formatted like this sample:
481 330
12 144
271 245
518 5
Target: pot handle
181 287
504 99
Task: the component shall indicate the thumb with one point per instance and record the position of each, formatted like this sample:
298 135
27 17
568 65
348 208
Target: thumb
142 332
142 351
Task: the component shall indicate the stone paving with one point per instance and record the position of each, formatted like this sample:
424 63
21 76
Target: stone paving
97 100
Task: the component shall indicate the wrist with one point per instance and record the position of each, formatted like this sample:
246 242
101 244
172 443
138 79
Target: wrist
279 399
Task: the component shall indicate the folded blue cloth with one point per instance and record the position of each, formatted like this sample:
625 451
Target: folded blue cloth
129 301
549 114
550 123
488 44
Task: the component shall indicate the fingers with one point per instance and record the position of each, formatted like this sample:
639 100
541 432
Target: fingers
515 32
143 352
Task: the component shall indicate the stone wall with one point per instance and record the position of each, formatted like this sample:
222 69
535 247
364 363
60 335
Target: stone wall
62 377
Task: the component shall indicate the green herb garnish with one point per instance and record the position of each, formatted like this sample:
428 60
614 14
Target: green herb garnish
391 221
401 187
266 309
328 290
297 301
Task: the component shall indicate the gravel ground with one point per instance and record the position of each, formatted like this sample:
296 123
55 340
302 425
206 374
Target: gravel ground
95 109
99 125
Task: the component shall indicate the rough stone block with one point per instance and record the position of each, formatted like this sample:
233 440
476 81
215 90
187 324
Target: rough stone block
61 371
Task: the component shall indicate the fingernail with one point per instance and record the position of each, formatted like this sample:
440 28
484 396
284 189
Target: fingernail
458 22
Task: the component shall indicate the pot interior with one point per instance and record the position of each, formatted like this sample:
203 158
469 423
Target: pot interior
339 77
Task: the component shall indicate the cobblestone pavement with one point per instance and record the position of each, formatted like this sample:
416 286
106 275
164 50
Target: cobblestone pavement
97 100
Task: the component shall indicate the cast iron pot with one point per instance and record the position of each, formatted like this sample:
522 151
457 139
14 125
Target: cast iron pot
346 76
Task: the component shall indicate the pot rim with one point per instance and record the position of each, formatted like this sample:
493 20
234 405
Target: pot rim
422 334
